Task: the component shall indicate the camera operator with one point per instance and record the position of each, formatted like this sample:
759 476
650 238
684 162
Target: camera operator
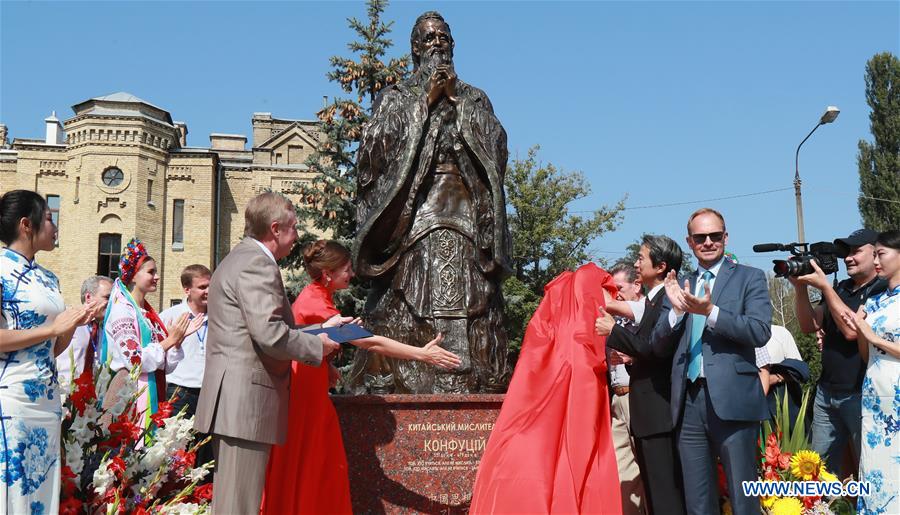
837 410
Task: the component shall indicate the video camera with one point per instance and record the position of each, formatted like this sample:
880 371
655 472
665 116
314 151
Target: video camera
823 252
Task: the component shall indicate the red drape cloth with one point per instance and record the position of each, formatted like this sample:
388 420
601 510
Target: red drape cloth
551 448
308 474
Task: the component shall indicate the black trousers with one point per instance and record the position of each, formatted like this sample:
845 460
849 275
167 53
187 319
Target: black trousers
189 397
657 457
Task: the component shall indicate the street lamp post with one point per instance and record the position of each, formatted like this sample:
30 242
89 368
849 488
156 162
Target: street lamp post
831 113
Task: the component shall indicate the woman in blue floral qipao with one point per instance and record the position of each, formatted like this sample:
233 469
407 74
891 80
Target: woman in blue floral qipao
34 328
878 330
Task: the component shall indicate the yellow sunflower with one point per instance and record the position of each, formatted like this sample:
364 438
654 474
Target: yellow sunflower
768 502
826 476
787 506
805 464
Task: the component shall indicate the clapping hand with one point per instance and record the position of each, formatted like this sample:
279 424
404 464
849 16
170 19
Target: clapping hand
66 322
683 301
857 322
438 357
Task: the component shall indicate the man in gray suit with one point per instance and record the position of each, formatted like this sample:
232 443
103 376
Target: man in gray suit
251 342
717 320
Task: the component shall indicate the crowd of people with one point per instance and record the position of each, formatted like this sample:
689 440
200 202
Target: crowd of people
691 363
694 368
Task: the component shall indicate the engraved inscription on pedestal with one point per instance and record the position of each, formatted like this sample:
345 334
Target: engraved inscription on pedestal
415 453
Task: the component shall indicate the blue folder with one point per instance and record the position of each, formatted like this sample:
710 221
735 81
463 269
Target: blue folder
342 334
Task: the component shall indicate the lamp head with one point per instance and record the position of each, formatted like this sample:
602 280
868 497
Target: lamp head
831 113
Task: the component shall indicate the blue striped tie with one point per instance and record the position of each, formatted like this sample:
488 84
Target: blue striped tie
695 364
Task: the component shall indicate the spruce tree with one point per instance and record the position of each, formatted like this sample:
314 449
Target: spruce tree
879 163
329 206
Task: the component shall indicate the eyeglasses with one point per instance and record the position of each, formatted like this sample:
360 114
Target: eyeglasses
715 237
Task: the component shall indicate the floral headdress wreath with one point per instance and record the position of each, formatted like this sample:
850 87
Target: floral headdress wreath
133 256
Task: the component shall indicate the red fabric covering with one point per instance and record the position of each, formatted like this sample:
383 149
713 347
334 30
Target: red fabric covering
308 474
551 448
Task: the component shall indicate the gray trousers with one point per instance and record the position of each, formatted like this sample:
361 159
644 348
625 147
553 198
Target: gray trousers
240 475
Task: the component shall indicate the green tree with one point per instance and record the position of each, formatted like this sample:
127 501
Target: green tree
546 238
879 163
329 206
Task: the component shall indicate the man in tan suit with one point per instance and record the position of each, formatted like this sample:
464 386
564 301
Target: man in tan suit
251 342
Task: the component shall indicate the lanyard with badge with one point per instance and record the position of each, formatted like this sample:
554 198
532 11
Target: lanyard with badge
201 334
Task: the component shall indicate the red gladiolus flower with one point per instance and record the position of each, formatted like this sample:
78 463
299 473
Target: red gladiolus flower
183 460
71 506
771 474
723 483
808 502
117 466
163 412
68 481
84 391
203 493
784 461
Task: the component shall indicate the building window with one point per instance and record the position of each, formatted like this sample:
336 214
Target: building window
150 192
278 158
113 177
174 302
295 154
53 203
178 224
108 256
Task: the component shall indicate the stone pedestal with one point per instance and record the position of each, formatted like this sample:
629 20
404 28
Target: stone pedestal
414 453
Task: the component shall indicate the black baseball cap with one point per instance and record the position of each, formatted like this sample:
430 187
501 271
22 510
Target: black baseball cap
857 238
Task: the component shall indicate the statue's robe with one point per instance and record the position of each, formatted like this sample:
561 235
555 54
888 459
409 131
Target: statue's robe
434 245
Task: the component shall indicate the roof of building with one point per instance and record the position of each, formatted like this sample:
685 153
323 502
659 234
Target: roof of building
122 104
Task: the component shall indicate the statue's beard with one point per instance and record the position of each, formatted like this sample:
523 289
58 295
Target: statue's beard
430 61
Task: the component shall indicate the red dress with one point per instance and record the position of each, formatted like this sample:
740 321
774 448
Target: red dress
551 448
308 474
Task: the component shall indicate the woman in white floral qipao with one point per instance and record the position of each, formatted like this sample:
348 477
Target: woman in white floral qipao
34 328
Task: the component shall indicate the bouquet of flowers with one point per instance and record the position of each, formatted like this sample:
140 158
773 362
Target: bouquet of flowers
112 464
785 456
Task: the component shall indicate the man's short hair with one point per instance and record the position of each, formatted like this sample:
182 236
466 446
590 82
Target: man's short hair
264 209
663 249
91 283
703 211
626 268
192 272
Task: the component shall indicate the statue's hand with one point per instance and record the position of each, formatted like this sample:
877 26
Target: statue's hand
450 82
436 87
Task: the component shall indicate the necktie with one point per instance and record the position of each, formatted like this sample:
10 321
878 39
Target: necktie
695 364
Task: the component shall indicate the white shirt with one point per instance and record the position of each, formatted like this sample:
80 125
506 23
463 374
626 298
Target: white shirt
74 353
637 306
189 371
266 250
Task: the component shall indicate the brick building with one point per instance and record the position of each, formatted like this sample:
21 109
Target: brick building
120 167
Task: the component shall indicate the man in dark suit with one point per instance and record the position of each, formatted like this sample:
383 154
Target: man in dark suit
715 323
650 371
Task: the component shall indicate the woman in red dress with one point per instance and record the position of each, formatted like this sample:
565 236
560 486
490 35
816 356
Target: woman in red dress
308 474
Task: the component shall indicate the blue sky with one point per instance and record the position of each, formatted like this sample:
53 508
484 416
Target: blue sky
666 102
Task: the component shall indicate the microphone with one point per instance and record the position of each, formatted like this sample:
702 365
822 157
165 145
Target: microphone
768 247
